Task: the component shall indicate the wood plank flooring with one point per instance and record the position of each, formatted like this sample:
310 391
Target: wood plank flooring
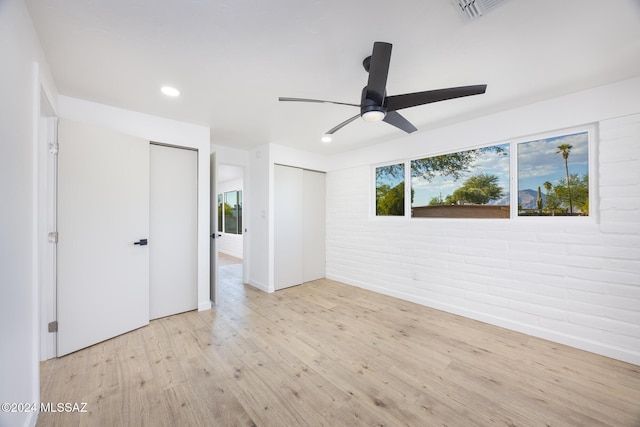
328 354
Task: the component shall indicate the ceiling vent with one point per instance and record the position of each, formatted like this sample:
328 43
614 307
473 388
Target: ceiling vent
472 9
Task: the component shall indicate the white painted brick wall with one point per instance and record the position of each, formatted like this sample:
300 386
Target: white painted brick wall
574 282
231 244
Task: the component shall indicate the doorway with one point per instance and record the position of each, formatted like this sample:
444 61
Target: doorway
231 227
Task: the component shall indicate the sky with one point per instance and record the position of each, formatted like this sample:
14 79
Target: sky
538 161
490 163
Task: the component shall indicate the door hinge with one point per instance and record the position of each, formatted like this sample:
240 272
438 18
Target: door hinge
53 237
53 326
53 148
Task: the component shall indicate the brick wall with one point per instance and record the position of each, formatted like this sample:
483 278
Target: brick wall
574 282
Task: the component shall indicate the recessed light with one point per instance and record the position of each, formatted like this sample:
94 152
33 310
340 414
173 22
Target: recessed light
326 138
170 91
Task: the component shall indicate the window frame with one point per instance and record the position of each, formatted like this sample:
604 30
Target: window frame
594 206
442 153
373 191
222 218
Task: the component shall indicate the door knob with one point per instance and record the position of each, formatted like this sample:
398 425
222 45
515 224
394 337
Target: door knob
141 242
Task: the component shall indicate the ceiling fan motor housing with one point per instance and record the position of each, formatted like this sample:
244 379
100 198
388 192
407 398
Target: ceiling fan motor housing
366 63
370 110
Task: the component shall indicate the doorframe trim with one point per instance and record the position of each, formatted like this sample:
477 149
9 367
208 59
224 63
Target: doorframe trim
47 194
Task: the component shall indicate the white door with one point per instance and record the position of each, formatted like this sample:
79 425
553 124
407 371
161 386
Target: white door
288 226
213 227
103 211
173 231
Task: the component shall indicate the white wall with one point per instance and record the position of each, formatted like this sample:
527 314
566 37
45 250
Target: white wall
24 71
258 215
230 156
166 131
301 159
573 282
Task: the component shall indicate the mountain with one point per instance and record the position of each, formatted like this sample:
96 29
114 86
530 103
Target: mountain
526 199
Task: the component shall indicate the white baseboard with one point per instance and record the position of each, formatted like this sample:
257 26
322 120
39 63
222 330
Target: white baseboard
259 285
203 306
32 419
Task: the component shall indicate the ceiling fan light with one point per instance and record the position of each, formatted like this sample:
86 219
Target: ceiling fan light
170 91
373 116
326 138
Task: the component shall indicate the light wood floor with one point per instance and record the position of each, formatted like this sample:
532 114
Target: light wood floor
327 354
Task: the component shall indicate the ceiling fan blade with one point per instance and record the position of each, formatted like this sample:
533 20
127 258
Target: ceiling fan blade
341 125
398 102
395 119
320 101
378 71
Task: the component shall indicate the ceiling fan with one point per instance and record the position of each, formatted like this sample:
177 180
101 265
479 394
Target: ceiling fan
375 105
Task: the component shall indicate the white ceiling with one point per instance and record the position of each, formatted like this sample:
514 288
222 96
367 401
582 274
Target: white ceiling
231 59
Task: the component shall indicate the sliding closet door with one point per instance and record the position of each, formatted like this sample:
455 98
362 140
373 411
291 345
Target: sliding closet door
313 224
299 226
288 226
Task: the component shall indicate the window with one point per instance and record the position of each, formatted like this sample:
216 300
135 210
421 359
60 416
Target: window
390 190
230 212
547 176
553 176
466 184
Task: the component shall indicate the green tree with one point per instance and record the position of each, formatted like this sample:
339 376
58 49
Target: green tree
478 189
435 201
390 200
551 203
577 191
453 164
565 150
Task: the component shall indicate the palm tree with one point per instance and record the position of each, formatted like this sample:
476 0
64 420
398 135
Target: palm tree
547 186
565 149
